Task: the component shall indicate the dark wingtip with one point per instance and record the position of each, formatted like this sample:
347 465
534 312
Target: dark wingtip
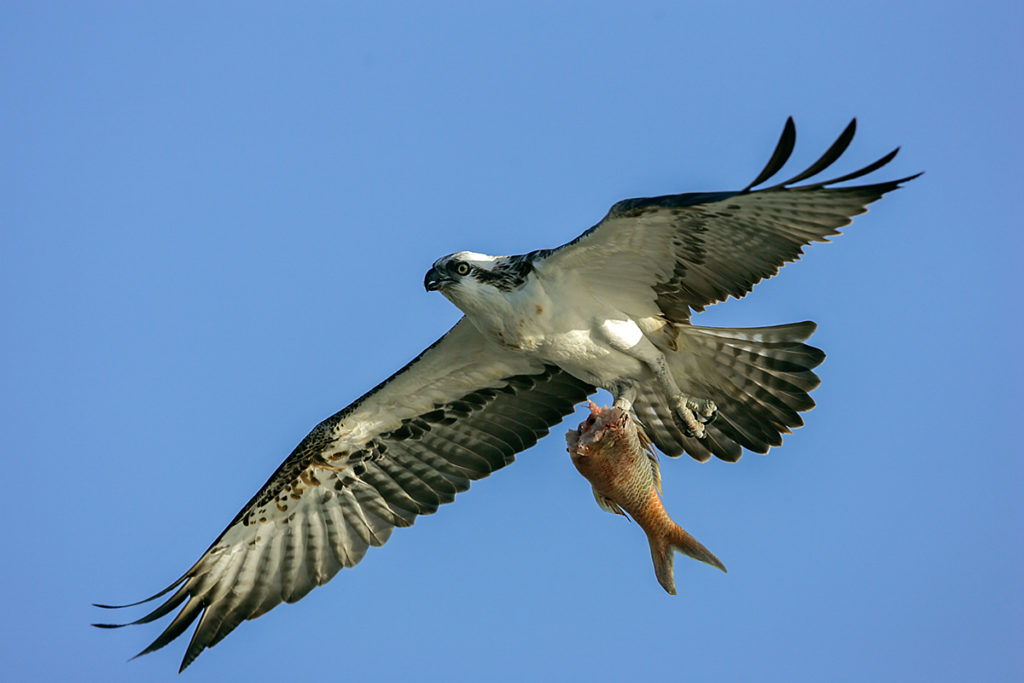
184 663
783 149
144 600
874 166
830 156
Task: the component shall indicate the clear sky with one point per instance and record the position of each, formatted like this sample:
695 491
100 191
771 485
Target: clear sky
214 225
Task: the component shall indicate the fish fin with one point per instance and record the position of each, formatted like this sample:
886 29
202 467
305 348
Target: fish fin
678 541
652 455
607 504
655 469
684 543
661 553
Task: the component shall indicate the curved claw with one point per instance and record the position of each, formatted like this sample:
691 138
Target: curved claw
708 411
691 416
694 432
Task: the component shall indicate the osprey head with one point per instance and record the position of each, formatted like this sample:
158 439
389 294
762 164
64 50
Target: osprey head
476 282
463 267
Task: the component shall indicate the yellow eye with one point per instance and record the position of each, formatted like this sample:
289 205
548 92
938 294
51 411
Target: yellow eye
462 269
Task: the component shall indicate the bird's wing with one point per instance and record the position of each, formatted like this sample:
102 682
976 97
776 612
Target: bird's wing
460 410
676 254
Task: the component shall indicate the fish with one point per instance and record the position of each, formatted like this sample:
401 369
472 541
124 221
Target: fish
611 450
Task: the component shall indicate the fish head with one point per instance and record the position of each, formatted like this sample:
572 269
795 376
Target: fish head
593 429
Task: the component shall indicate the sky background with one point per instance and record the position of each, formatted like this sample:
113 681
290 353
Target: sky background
214 225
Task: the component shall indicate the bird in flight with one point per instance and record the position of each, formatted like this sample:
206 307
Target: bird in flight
541 332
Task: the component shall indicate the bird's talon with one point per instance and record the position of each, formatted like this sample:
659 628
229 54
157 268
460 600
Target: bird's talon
691 416
708 410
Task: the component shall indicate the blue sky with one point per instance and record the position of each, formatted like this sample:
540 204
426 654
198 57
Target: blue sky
214 225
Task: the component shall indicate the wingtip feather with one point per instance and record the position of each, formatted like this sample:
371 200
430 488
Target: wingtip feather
829 157
783 150
151 598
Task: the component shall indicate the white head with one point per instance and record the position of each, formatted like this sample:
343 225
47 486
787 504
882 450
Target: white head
467 278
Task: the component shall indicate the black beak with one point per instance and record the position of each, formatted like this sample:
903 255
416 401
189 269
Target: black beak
433 280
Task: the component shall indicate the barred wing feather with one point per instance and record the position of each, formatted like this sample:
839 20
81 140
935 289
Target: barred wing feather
676 254
456 413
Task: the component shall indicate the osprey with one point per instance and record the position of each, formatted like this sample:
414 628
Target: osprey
541 332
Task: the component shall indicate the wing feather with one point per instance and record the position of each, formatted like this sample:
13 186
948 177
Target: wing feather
684 252
456 413
781 154
830 156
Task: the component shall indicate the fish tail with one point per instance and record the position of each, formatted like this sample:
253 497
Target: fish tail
664 547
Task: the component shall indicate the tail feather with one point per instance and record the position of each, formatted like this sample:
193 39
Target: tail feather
663 549
759 377
791 376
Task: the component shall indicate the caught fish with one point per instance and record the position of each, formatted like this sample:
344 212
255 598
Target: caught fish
618 459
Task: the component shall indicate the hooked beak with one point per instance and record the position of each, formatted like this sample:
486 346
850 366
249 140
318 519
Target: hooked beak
434 280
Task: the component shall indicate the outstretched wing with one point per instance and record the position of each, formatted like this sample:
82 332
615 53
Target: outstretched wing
680 253
460 410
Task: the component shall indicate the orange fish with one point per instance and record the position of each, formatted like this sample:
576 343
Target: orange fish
618 459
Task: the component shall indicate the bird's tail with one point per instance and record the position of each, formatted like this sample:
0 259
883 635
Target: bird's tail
759 377
664 547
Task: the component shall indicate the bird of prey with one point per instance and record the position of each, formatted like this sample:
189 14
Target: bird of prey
541 332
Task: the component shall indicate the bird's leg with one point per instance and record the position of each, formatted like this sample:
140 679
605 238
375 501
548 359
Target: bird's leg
702 411
625 395
692 414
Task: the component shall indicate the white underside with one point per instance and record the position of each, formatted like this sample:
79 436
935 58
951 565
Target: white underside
564 323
